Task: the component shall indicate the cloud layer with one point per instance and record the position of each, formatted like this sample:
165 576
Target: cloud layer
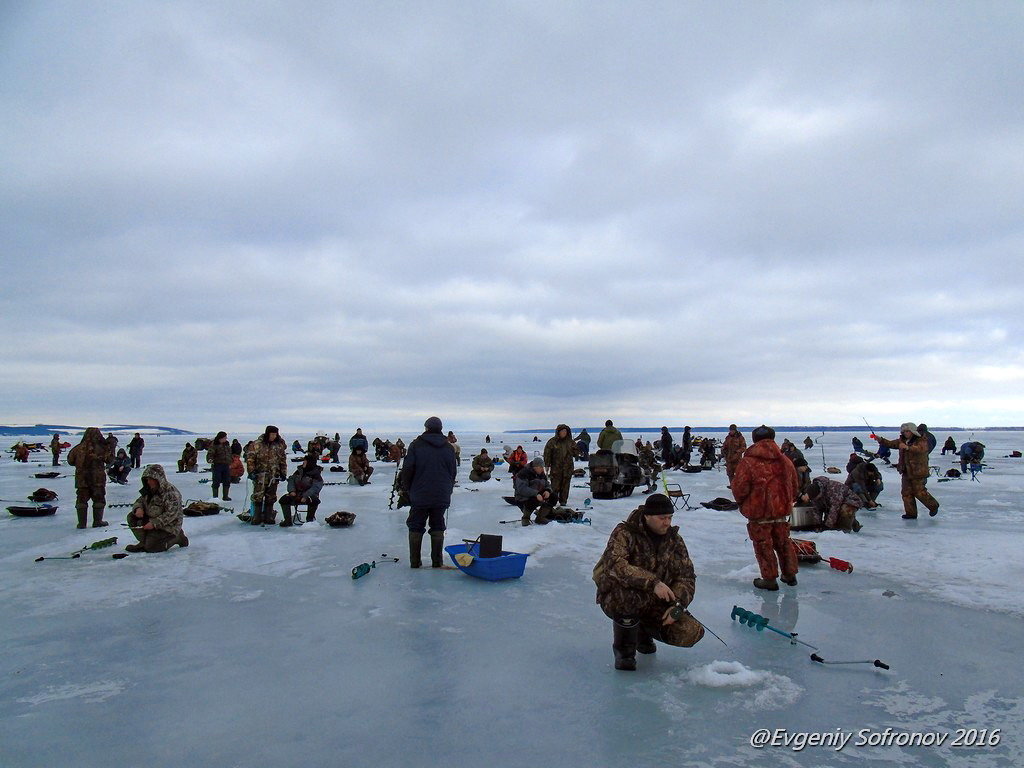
511 215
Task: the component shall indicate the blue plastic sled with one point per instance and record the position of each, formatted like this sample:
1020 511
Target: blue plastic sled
510 565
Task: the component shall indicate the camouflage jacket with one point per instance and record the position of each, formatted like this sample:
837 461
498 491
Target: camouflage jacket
733 446
90 458
162 506
635 560
219 453
560 453
483 464
834 495
269 459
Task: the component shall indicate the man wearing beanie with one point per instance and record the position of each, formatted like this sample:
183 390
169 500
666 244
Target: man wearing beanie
533 491
645 581
765 486
913 466
428 477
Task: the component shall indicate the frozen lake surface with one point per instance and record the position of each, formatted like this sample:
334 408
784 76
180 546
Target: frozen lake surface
255 647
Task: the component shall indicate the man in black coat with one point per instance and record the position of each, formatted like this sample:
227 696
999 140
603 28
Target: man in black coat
428 477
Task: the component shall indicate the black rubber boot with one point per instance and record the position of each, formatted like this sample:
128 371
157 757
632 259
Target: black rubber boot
436 549
415 544
83 515
97 516
644 641
225 497
287 511
624 646
216 490
257 513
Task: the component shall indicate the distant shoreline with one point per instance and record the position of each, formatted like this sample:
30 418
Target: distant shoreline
742 428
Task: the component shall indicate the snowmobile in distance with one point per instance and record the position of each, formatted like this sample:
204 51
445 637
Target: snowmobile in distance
614 473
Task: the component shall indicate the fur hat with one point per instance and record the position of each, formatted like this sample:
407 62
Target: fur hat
762 433
910 427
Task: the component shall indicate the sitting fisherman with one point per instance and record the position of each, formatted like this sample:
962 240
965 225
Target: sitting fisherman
189 460
118 472
156 516
359 465
304 487
483 466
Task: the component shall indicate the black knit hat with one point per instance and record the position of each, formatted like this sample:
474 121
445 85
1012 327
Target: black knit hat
658 504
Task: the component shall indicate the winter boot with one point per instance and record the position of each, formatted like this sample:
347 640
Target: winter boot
932 512
257 513
415 544
135 548
436 549
526 519
644 641
269 513
216 490
769 584
287 514
790 580
310 515
543 514
624 646
83 514
225 497
182 540
97 516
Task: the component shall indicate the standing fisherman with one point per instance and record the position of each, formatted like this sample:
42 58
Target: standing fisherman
559 456
765 487
913 466
90 458
267 464
428 476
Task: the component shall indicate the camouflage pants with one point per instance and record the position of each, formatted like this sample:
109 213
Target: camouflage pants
684 633
773 548
914 490
97 494
560 484
479 477
264 491
154 540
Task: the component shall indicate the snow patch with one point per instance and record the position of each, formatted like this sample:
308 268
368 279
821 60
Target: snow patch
774 690
88 692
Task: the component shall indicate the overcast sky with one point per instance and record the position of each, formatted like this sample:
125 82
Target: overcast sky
511 214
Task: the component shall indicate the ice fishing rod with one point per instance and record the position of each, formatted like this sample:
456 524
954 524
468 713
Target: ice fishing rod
759 623
102 544
677 611
364 568
874 662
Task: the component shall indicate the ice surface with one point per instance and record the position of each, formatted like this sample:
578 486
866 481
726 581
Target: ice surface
255 647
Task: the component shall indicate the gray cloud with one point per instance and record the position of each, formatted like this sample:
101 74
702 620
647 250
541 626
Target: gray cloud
511 214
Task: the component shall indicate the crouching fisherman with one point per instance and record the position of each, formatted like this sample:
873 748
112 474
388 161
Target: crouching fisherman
156 516
645 580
